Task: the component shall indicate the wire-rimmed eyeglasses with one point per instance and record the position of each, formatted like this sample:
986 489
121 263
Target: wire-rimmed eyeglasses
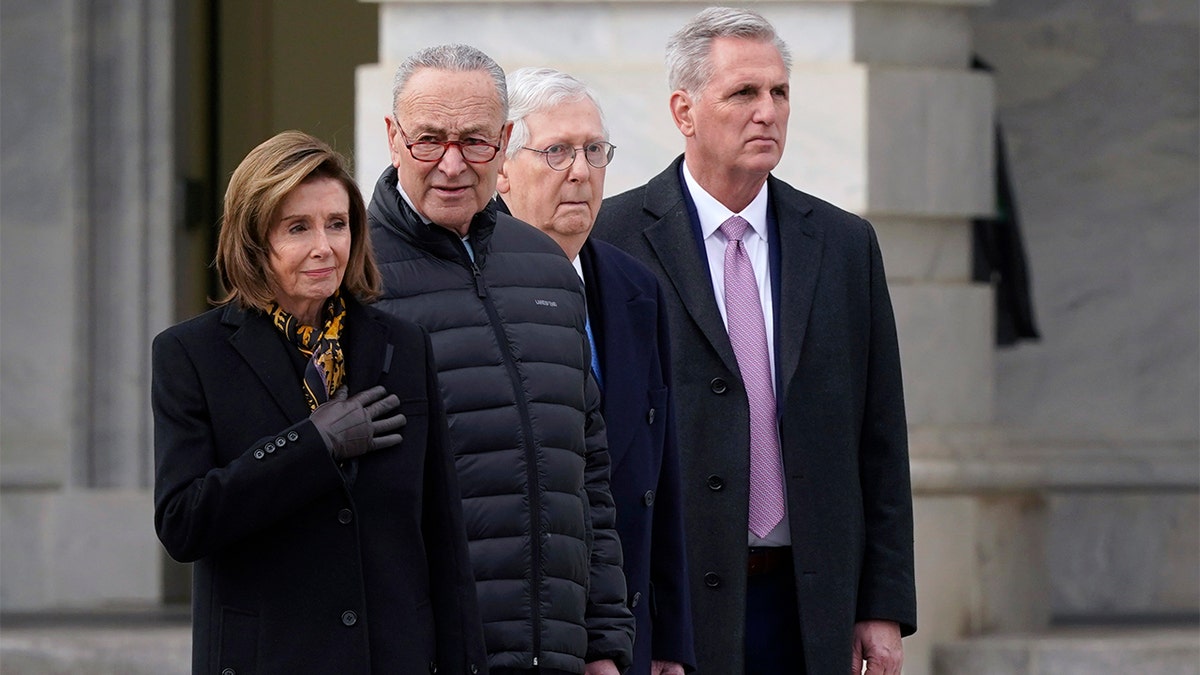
473 150
561 156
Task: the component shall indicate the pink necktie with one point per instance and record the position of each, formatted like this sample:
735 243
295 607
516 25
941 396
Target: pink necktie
748 335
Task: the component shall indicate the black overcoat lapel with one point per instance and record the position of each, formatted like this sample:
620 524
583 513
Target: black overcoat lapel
801 243
254 338
257 341
368 353
674 244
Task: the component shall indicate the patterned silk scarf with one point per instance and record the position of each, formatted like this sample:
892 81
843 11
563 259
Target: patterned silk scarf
326 365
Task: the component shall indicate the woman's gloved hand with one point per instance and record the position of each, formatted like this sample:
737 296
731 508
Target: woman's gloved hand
359 424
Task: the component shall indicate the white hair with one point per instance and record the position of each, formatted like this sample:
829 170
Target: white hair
532 90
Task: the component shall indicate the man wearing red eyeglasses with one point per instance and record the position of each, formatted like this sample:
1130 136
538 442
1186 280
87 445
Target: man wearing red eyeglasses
505 312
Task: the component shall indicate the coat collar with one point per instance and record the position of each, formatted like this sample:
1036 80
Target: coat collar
801 243
673 241
389 210
259 343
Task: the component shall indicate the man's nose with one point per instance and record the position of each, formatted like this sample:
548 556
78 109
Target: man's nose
452 162
764 109
579 170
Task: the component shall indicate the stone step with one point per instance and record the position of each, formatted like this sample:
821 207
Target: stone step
96 643
1115 650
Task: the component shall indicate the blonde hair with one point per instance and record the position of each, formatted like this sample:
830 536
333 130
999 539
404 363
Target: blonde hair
257 189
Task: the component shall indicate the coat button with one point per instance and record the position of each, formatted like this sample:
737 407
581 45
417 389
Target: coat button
650 416
349 618
228 671
474 669
637 597
432 667
269 448
345 516
280 442
718 385
259 454
712 580
292 436
648 498
716 483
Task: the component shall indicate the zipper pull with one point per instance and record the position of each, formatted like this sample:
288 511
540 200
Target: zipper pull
480 289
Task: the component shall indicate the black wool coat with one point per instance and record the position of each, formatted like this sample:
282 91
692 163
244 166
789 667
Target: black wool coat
302 565
841 420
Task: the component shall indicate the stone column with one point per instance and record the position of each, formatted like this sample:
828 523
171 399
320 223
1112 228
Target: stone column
86 226
887 121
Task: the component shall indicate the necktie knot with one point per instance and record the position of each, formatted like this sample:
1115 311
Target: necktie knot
734 228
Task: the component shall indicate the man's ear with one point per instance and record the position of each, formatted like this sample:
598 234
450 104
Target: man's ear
505 135
502 184
681 112
395 141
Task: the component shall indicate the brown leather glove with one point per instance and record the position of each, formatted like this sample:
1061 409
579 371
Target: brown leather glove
359 424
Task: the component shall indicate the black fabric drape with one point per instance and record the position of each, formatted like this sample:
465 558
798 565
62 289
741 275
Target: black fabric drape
998 253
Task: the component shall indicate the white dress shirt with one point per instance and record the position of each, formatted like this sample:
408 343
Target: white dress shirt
712 213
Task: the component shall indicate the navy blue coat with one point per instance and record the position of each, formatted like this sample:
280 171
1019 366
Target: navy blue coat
629 322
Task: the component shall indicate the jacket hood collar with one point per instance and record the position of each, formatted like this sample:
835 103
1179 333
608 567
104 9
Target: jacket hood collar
389 210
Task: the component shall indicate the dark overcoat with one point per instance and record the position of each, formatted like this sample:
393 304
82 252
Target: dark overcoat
302 565
629 320
841 420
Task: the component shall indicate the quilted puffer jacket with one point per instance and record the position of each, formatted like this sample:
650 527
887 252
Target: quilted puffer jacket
513 364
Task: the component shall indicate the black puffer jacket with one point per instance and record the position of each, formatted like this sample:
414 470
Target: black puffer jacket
512 358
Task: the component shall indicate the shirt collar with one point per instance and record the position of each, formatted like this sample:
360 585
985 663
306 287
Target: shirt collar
712 212
578 265
409 201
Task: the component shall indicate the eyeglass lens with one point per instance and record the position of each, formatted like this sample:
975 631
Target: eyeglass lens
561 155
430 151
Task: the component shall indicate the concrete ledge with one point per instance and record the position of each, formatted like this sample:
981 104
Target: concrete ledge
981 459
78 549
1076 651
98 643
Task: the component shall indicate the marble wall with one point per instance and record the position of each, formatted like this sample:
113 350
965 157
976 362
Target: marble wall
85 283
1099 101
1101 108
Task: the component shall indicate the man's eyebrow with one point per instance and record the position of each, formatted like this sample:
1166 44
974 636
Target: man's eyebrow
474 130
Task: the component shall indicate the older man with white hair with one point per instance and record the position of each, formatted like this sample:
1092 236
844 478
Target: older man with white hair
553 178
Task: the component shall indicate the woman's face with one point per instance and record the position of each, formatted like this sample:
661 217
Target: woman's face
310 245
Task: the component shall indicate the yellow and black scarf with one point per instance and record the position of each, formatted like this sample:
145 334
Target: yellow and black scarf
326 365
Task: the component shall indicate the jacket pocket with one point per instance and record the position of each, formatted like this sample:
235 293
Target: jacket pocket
239 642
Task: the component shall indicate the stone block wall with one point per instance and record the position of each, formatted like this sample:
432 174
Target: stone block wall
85 283
1100 108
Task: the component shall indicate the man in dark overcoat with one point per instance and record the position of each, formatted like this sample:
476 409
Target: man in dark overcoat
786 374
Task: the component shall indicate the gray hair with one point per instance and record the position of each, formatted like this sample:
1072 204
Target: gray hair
455 57
689 51
535 89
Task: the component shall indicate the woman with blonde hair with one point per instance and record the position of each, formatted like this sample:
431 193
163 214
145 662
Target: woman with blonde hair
300 446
